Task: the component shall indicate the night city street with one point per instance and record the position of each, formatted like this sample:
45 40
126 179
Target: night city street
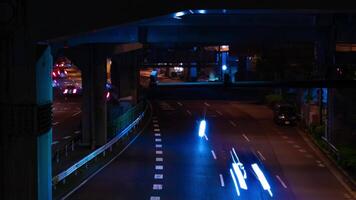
177 100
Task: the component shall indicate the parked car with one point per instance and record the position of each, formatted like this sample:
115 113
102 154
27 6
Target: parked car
285 114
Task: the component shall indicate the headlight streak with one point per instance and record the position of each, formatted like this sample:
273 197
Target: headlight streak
261 177
239 170
235 183
202 127
240 176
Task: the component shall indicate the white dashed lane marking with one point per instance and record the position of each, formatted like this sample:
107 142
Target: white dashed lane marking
246 138
158 176
222 180
155 198
158 140
77 113
179 103
55 142
158 145
189 113
159 152
157 187
219 113
156 130
281 181
55 123
232 123
67 137
213 153
159 167
157 134
261 156
205 103
159 159
156 125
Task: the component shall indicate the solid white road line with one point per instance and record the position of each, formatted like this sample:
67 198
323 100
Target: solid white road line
158 140
261 156
282 183
159 167
158 145
159 159
179 103
189 113
222 180
158 176
159 152
212 152
232 123
219 113
77 113
246 138
205 103
157 187
155 198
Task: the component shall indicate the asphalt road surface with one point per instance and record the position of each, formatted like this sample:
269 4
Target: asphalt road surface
66 120
170 161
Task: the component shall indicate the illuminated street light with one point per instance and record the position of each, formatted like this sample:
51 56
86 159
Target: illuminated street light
224 67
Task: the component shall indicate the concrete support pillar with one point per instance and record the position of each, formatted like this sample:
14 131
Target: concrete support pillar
91 59
25 127
125 73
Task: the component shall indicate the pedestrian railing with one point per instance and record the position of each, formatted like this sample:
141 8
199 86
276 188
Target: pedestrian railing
121 126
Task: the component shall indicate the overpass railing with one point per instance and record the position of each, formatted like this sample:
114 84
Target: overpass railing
121 127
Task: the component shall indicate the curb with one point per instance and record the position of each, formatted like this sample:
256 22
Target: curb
343 177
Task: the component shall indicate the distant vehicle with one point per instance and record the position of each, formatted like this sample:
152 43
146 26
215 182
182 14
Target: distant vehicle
71 90
59 73
153 78
285 114
111 94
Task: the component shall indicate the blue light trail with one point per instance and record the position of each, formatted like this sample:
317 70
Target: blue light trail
261 177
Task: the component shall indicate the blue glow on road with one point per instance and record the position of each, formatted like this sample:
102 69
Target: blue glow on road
202 127
239 175
235 183
261 177
202 11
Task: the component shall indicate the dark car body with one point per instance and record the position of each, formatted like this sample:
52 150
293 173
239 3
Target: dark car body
285 114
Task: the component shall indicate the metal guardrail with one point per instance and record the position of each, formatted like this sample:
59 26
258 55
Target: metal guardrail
124 126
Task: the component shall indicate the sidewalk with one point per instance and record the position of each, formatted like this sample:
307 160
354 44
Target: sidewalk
335 169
